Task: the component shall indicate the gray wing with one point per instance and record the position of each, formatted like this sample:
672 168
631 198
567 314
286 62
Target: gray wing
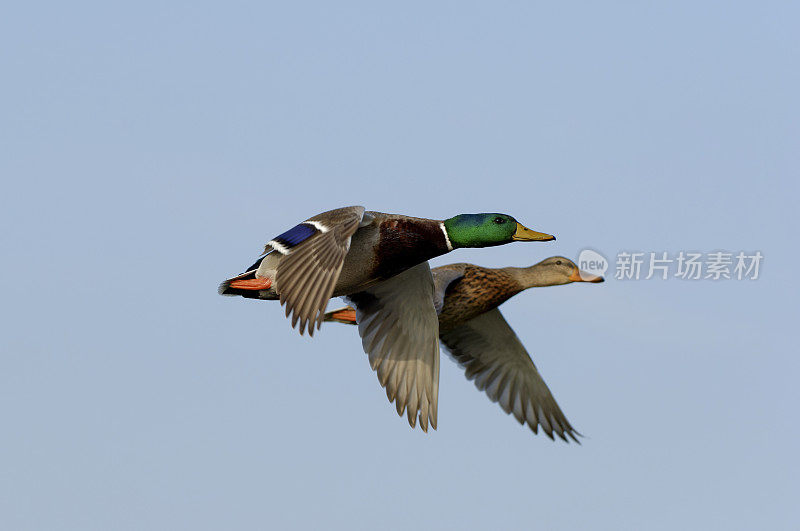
443 276
313 254
399 331
493 356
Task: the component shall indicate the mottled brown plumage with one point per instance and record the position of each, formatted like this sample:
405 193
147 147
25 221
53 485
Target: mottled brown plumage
478 290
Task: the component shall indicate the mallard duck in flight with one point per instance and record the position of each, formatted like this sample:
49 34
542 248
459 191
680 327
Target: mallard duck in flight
379 262
473 330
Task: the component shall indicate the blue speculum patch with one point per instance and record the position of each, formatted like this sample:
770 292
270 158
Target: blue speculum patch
296 234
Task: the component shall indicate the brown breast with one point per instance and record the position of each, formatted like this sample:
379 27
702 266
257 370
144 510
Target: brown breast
478 291
404 242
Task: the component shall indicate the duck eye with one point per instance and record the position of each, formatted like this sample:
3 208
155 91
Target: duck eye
558 262
499 220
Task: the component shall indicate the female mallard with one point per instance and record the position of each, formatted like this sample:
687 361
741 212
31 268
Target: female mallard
379 261
477 336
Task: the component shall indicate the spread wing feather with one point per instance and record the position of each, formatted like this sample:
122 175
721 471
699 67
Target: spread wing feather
495 359
399 330
313 256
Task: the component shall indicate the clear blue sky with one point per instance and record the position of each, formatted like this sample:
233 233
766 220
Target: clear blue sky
150 149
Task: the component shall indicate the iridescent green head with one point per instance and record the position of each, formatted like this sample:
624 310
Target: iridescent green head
487 230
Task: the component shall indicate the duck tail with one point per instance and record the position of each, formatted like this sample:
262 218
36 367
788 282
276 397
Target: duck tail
245 285
346 315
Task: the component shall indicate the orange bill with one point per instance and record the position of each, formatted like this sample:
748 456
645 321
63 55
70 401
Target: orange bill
582 276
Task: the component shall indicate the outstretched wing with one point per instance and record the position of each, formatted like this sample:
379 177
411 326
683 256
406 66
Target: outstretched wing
493 356
399 330
313 254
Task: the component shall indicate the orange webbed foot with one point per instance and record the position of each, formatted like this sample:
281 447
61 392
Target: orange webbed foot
251 283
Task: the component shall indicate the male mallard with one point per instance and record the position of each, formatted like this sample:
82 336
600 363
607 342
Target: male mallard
477 336
379 261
